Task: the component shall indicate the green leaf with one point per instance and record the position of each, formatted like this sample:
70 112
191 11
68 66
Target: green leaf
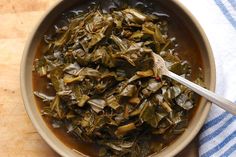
97 104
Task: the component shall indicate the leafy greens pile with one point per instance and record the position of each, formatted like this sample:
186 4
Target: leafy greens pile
100 66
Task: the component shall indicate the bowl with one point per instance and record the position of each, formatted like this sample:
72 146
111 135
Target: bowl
47 20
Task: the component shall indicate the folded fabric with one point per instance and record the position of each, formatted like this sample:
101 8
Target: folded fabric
218 19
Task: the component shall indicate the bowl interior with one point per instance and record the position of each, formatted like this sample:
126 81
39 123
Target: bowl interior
200 55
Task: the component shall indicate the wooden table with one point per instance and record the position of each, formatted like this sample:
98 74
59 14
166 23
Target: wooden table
18 138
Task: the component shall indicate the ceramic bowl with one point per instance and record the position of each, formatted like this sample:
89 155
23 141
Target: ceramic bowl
175 147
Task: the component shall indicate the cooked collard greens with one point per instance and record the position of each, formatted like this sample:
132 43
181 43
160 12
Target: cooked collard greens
100 66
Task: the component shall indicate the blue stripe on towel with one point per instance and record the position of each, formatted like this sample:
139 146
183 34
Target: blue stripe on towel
219 146
233 3
226 12
214 121
229 151
217 132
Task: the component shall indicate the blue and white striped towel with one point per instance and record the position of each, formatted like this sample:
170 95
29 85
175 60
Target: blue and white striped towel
218 19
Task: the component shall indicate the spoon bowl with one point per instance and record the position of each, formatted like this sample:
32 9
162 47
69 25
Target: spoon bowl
160 69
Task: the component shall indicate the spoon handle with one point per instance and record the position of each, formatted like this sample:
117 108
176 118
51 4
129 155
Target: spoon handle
216 99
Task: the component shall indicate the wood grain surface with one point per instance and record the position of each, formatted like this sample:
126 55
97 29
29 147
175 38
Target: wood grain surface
18 138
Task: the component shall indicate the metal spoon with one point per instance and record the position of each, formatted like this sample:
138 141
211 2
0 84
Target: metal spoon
161 69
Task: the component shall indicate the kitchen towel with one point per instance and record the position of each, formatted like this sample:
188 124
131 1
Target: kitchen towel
218 19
